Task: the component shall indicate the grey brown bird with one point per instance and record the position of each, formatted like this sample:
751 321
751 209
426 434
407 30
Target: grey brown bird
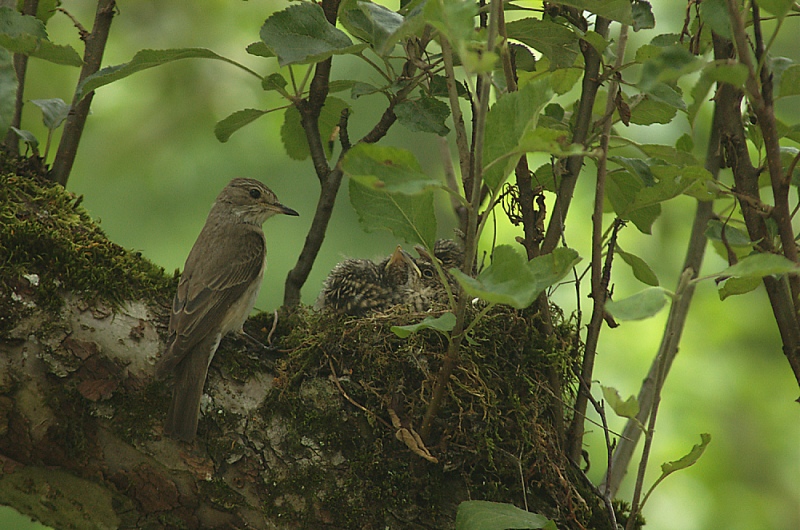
356 286
429 288
216 293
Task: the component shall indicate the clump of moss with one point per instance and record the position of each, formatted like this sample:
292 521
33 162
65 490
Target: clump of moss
497 429
49 245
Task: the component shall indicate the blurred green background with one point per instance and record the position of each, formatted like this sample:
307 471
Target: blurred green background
149 167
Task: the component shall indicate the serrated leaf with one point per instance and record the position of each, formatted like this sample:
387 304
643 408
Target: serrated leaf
556 42
790 81
649 111
622 189
736 286
553 141
300 34
443 323
143 60
54 111
259 49
485 515
423 115
293 135
372 23
760 265
387 169
409 217
26 35
643 18
666 94
274 82
510 280
690 459
734 236
641 270
226 127
508 120
669 154
624 409
643 304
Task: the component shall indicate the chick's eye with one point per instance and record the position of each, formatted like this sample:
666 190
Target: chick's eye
427 273
255 193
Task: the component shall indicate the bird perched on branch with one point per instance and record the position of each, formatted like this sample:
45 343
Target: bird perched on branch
216 293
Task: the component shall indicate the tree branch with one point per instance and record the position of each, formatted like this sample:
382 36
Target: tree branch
600 273
92 58
20 69
580 133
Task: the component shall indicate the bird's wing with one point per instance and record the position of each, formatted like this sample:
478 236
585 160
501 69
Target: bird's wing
212 282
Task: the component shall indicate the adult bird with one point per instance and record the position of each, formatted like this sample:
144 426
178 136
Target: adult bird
216 293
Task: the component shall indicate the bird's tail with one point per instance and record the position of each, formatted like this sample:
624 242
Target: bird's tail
190 377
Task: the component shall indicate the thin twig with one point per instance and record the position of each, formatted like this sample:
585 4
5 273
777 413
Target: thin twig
599 276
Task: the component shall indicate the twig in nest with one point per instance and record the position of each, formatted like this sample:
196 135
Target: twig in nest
335 379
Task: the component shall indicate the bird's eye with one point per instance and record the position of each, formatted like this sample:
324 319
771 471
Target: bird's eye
255 193
427 273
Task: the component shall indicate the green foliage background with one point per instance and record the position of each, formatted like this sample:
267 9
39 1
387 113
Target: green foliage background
150 167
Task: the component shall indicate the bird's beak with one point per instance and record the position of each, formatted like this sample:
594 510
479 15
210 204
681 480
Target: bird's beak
400 255
279 208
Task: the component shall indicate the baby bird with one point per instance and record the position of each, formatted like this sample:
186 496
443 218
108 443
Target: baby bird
356 286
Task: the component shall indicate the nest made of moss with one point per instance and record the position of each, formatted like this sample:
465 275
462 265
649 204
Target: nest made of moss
496 437
49 245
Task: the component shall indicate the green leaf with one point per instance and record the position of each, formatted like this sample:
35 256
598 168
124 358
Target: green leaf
790 81
597 41
714 13
779 8
639 306
294 137
622 189
485 515
545 140
26 35
225 128
300 34
54 111
562 80
29 139
510 280
624 409
736 286
423 115
455 19
716 72
649 111
668 66
143 60
667 94
443 323
508 120
275 82
685 143
619 10
642 16
690 459
387 169
669 154
370 22
259 49
641 270
409 217
760 265
556 42
734 236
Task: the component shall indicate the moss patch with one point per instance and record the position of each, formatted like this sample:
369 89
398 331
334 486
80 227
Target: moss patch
49 245
495 431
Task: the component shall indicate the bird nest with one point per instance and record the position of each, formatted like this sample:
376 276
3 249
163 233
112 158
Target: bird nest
356 388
